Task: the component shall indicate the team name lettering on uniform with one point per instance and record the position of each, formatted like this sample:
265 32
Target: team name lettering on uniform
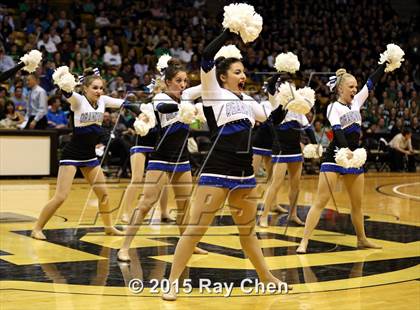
350 118
233 108
91 117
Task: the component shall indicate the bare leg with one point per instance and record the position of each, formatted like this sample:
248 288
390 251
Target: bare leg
256 162
137 171
154 182
182 186
355 186
244 211
279 171
64 181
327 181
268 164
208 200
96 179
165 216
295 172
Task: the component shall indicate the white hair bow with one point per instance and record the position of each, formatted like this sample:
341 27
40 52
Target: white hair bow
96 72
332 82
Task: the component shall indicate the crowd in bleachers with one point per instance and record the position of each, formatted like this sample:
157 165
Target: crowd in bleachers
125 38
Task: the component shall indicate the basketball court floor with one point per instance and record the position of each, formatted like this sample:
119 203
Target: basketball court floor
77 267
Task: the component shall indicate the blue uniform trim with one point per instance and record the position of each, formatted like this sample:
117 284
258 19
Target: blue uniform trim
225 181
96 129
289 125
141 149
352 128
266 124
80 163
331 167
336 127
168 166
170 129
229 129
262 152
293 158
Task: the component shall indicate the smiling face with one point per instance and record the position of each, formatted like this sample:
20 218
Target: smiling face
176 85
94 89
234 78
347 89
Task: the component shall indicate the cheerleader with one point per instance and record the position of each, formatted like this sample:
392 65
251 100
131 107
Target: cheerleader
227 173
262 144
287 156
139 153
87 113
287 153
29 62
169 163
345 119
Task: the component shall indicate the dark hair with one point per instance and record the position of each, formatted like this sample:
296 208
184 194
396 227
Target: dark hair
53 99
174 66
406 131
222 66
7 103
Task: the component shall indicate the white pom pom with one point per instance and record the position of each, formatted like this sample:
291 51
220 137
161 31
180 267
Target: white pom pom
31 60
287 62
141 127
312 151
229 51
393 55
241 18
187 112
359 158
64 79
68 83
307 93
163 62
200 113
298 104
59 73
285 93
342 157
148 111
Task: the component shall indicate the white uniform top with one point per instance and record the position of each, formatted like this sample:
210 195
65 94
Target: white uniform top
166 119
345 115
227 107
85 114
293 116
